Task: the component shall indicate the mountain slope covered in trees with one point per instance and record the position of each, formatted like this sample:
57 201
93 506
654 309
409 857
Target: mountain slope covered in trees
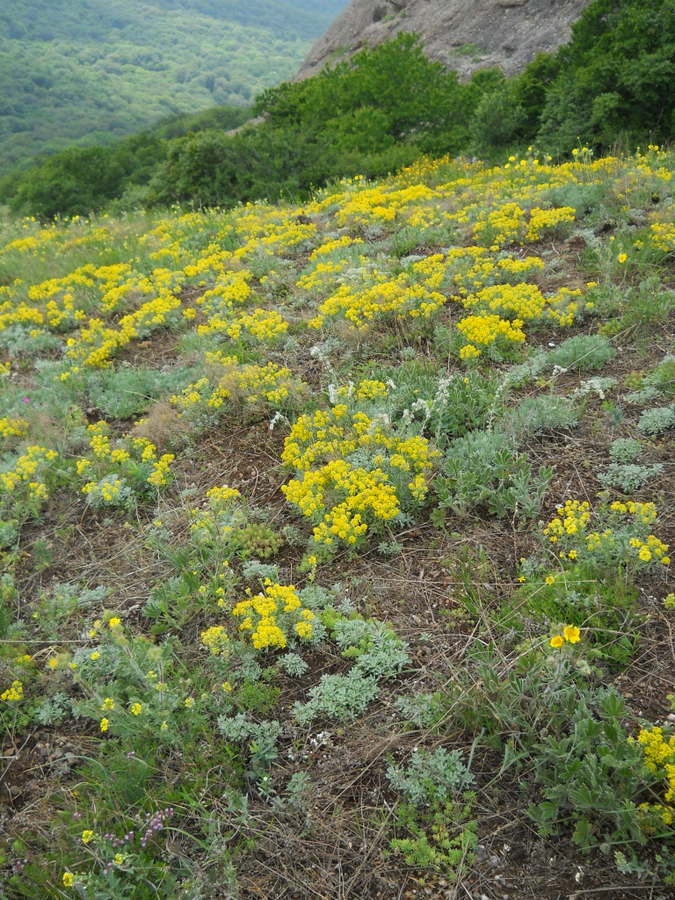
85 71
381 109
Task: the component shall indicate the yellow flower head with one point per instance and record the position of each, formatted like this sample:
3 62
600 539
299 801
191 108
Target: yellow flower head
104 724
87 835
571 633
557 641
68 879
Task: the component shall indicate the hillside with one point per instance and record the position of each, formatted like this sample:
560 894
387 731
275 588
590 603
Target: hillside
463 35
89 70
334 540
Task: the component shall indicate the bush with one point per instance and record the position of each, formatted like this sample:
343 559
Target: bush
583 353
484 470
615 77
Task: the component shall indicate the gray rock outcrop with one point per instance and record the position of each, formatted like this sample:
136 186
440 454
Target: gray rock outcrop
464 35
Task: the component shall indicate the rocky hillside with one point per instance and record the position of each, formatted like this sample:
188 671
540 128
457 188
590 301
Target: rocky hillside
464 34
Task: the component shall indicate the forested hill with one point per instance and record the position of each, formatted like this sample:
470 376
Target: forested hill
89 70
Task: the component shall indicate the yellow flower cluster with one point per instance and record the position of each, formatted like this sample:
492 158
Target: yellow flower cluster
97 342
511 224
663 236
218 519
326 273
110 469
371 389
523 300
379 203
28 480
659 755
237 382
13 427
332 246
627 540
345 497
222 495
273 616
643 512
650 549
570 633
262 324
573 516
483 330
160 471
109 491
395 297
13 693
215 639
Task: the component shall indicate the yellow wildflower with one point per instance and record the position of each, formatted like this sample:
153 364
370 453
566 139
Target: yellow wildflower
571 633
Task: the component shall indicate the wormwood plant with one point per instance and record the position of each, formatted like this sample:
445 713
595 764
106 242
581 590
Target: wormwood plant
541 413
378 653
657 420
584 353
483 470
628 477
436 811
128 391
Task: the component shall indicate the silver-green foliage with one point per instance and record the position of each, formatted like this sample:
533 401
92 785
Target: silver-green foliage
540 413
657 419
625 450
431 776
379 654
628 477
484 470
583 353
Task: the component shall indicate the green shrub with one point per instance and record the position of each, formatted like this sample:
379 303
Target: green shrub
625 450
583 353
614 78
483 470
657 420
592 781
430 776
628 477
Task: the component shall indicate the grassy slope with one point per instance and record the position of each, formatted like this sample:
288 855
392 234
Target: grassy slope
447 573
90 71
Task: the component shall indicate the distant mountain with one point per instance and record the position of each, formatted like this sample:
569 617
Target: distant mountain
463 34
86 71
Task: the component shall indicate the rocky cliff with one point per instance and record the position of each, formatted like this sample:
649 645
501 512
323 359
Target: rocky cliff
464 34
